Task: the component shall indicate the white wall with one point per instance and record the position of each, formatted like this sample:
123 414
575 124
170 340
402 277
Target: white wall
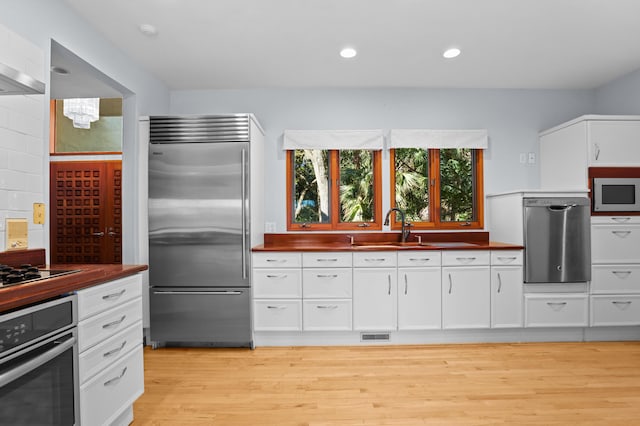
41 21
621 96
21 139
512 117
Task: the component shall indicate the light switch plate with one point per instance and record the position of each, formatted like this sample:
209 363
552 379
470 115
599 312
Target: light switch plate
17 234
38 213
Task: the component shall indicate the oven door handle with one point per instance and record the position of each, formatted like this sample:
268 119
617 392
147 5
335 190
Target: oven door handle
32 364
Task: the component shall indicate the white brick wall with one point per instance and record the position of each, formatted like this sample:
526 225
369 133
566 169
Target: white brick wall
23 147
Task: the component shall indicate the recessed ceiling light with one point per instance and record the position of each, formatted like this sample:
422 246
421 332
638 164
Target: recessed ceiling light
148 30
451 53
59 70
348 52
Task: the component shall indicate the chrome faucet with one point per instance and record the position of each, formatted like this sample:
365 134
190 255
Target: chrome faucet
405 226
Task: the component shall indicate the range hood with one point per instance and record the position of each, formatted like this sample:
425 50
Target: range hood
14 82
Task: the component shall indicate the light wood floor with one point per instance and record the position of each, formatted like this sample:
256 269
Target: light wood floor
514 384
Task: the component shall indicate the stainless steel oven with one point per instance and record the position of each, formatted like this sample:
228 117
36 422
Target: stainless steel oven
38 364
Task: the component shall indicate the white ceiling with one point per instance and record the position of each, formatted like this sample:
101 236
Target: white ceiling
228 44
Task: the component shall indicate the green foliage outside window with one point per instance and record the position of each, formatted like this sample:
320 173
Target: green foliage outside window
456 185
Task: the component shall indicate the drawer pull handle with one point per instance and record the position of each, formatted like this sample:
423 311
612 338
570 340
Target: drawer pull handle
327 307
499 283
114 323
621 234
114 296
507 258
622 305
277 276
327 276
327 260
369 259
115 380
465 259
419 259
556 306
276 260
621 274
276 307
115 351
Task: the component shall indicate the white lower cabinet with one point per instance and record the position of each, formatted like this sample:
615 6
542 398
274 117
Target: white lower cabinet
466 300
277 315
556 310
615 310
419 298
111 373
375 299
327 314
507 283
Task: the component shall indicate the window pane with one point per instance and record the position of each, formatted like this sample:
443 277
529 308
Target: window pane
311 186
356 186
412 183
456 185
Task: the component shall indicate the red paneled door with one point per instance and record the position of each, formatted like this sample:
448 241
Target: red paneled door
86 212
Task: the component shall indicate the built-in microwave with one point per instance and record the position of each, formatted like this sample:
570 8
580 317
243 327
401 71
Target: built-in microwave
616 194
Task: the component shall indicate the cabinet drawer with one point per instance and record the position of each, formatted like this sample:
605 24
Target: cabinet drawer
277 283
615 310
615 220
92 361
607 279
506 257
102 326
375 259
327 283
277 260
567 310
327 260
615 243
419 258
465 257
327 314
106 396
277 315
105 296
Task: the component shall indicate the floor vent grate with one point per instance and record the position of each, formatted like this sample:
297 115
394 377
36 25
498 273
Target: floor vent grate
368 337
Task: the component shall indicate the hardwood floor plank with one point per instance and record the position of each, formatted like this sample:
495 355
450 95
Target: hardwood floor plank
472 384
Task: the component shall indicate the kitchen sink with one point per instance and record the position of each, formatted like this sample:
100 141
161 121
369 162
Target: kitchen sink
390 244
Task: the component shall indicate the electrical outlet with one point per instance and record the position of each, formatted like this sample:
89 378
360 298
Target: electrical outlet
269 227
532 158
38 213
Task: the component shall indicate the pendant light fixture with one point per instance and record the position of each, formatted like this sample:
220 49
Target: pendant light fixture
82 111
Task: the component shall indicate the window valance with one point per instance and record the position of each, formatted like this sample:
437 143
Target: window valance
437 139
333 139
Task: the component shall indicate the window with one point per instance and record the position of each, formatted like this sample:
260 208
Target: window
438 188
334 189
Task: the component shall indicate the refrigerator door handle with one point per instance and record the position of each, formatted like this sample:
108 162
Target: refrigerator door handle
200 293
243 183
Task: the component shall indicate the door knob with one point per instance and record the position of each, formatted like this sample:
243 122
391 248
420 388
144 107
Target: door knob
98 234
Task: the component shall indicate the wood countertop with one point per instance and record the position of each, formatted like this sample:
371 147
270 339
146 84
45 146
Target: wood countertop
381 241
24 294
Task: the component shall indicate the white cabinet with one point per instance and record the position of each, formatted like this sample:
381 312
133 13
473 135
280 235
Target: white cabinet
277 291
466 301
327 291
110 350
419 298
506 289
615 271
568 150
375 291
556 310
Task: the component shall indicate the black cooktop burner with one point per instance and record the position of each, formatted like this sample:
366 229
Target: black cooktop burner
27 273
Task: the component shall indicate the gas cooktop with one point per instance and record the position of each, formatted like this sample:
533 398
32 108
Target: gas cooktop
27 273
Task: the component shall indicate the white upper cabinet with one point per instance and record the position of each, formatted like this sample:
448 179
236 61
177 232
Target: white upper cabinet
568 150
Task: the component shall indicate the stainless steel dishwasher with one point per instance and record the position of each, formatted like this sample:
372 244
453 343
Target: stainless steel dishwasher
557 240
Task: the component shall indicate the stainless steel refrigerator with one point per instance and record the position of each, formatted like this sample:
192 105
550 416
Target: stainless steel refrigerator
200 234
